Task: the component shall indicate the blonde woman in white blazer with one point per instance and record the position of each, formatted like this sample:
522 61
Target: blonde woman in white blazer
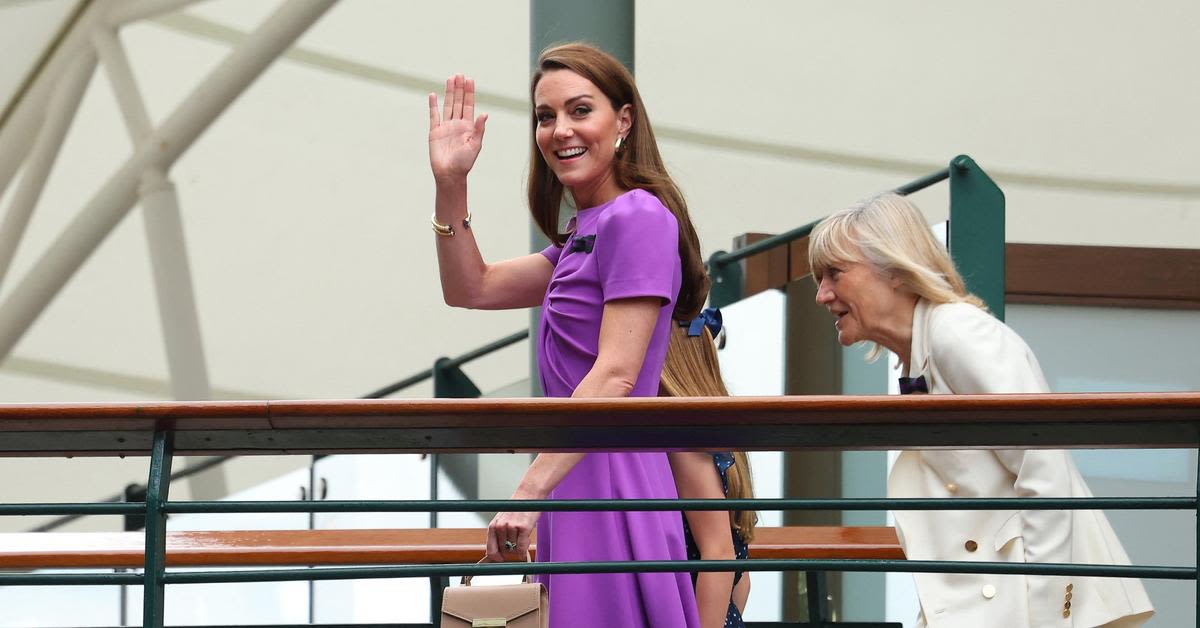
887 280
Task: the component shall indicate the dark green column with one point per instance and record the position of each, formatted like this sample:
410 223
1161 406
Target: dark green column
608 25
976 236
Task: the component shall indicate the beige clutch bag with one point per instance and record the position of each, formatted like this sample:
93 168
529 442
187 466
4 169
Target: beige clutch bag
522 605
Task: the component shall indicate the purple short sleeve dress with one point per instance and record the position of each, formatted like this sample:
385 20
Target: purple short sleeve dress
625 248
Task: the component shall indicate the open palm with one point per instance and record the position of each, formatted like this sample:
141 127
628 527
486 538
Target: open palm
456 136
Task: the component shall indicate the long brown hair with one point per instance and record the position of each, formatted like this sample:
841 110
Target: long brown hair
692 370
637 165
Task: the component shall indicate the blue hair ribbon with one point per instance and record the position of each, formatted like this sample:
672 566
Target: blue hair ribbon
710 318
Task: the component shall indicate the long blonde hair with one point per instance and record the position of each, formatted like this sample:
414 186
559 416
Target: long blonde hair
638 163
889 233
692 370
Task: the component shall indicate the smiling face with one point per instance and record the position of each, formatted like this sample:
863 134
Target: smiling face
576 133
865 303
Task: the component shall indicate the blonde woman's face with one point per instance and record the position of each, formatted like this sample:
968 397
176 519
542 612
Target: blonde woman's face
861 301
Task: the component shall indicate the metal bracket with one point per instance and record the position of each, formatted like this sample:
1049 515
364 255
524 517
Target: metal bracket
449 382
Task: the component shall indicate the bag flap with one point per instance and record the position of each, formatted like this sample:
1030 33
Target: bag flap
506 601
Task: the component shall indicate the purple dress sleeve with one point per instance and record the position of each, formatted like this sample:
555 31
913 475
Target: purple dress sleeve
637 250
552 253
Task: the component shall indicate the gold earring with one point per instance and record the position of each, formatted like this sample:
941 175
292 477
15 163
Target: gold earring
618 144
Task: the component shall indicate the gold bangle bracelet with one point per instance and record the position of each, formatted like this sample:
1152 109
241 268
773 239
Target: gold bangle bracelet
447 230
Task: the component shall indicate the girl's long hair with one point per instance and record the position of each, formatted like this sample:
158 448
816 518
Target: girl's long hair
691 370
637 165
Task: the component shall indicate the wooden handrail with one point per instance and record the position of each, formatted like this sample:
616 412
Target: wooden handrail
28 550
452 425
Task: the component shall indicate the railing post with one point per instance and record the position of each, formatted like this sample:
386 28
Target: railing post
976 238
158 486
437 588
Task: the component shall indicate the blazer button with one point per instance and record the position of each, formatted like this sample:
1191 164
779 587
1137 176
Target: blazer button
1070 587
988 591
952 488
970 545
1067 613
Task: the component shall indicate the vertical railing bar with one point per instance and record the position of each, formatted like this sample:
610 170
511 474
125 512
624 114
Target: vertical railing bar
1198 536
158 487
123 601
433 488
437 585
312 525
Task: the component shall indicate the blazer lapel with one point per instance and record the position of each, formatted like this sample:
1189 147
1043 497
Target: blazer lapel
919 351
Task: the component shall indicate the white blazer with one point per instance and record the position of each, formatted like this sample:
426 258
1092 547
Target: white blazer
961 349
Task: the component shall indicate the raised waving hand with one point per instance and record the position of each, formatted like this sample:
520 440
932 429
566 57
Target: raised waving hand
455 136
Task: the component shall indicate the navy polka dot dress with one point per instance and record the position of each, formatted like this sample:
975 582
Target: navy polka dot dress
733 618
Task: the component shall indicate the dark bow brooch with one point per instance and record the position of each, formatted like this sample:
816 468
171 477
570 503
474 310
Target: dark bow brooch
913 385
583 243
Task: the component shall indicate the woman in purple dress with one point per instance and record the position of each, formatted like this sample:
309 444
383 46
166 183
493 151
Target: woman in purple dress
609 286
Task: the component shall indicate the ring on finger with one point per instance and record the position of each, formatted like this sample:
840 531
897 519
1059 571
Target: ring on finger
510 546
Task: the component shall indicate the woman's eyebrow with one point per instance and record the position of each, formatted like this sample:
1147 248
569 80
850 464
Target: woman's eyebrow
566 102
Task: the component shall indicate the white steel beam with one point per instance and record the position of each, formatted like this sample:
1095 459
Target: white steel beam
25 118
59 115
114 199
164 234
124 85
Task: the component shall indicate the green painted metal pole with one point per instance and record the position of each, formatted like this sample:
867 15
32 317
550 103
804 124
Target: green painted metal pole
1155 572
608 25
158 487
659 505
976 238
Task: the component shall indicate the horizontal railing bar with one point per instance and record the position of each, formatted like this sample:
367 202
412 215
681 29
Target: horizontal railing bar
520 568
800 232
878 422
762 245
475 354
493 346
104 508
40 579
645 505
923 182
659 566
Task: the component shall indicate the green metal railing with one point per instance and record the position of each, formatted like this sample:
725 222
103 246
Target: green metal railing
976 237
1182 427
449 381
